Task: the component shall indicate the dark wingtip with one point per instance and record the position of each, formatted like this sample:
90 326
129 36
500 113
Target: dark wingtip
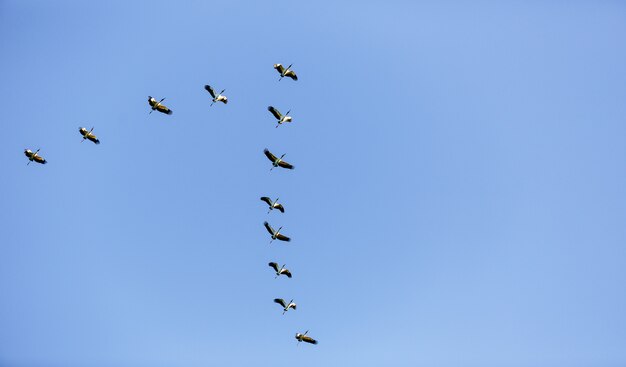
97 142
169 112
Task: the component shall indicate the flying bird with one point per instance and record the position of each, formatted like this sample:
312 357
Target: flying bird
273 204
34 156
88 135
286 306
285 72
276 162
280 118
280 271
305 338
216 97
158 106
276 235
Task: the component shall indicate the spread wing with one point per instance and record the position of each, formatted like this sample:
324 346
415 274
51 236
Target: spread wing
274 266
275 112
292 305
269 228
308 339
151 101
93 138
164 109
267 200
285 165
280 68
280 207
283 238
291 74
269 155
281 302
40 159
286 272
210 90
82 131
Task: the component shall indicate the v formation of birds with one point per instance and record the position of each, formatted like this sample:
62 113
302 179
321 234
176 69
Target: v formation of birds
273 204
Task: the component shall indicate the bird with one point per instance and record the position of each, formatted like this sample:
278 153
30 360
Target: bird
88 135
273 204
280 118
276 235
280 271
216 97
34 156
276 162
285 72
286 306
305 338
158 106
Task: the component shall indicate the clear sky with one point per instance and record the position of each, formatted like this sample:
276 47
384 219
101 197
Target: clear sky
459 197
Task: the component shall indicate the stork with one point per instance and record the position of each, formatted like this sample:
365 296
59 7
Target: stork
286 306
276 235
285 72
88 135
280 271
277 162
280 118
305 338
216 97
273 204
34 156
158 106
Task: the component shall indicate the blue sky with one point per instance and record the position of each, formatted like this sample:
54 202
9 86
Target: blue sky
458 197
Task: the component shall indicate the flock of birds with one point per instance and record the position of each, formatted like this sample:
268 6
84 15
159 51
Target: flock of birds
276 162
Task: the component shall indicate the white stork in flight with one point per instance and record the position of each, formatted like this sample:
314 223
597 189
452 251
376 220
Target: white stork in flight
273 204
280 118
276 235
280 271
286 306
34 156
88 135
277 162
158 106
285 72
305 338
219 97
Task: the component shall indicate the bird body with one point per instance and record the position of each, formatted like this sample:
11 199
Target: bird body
158 106
305 338
286 305
276 235
89 135
280 271
280 118
277 162
285 72
217 97
273 204
33 156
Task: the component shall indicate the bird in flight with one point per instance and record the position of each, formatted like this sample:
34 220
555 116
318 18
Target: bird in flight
217 97
273 204
286 306
280 271
276 235
280 118
88 135
277 162
34 157
158 106
285 72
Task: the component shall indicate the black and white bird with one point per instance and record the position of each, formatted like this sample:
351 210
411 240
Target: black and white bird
217 97
280 271
33 156
285 72
88 135
305 338
276 235
273 204
280 118
286 306
277 162
158 106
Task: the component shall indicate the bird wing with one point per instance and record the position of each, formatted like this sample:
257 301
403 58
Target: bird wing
280 207
164 109
151 101
39 159
82 131
280 301
267 200
269 228
274 266
280 68
286 272
269 155
93 138
291 74
283 237
308 339
292 305
275 112
285 165
210 90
